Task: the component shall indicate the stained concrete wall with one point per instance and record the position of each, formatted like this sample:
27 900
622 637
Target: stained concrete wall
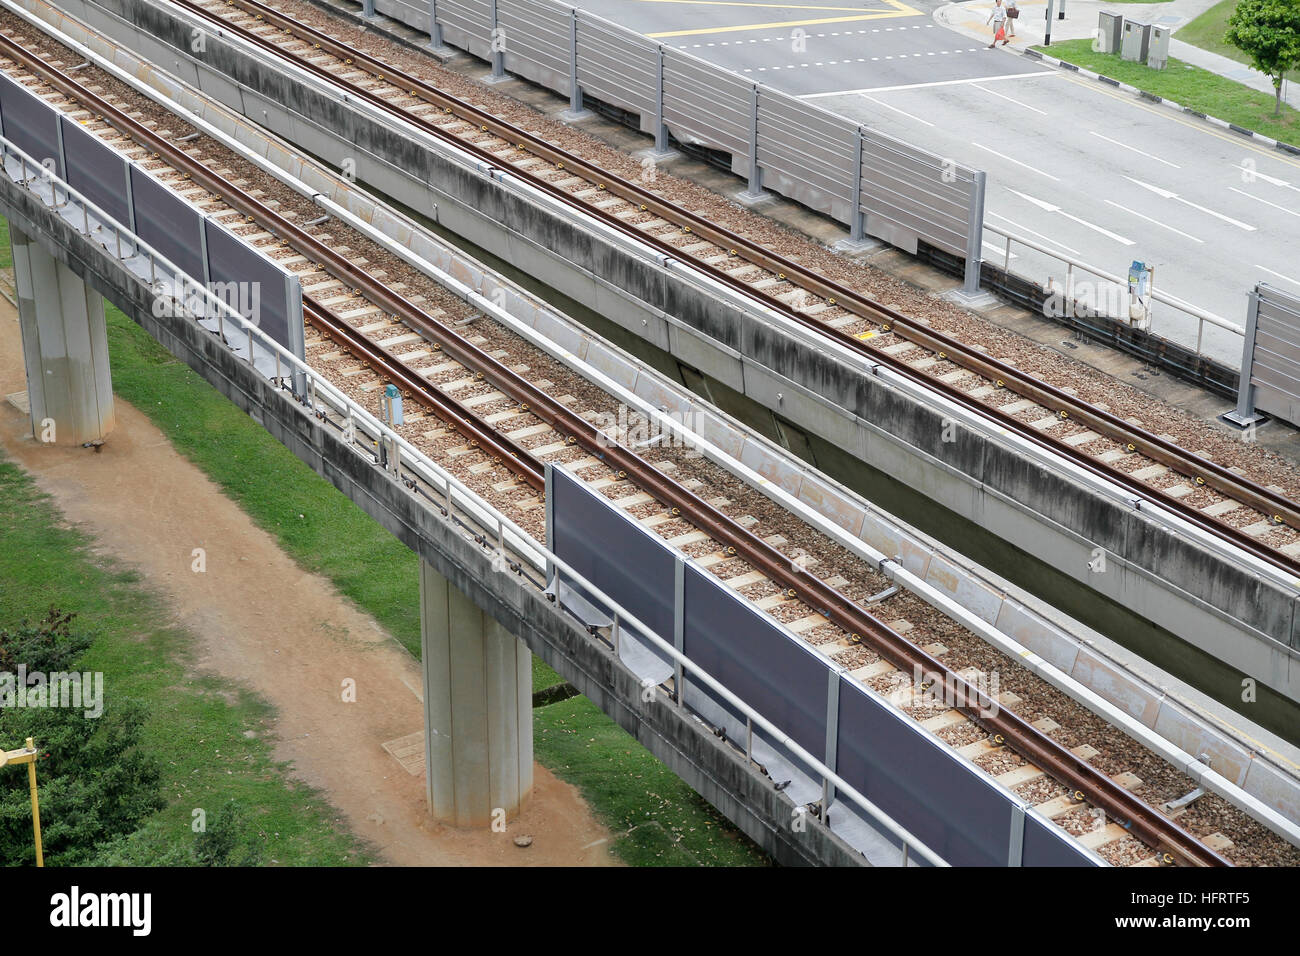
1226 610
716 771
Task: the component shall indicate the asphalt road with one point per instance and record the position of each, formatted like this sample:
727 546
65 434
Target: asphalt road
1072 164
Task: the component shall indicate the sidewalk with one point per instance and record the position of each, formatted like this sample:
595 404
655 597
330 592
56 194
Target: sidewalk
1081 22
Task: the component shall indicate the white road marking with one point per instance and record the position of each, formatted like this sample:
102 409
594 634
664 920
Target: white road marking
1017 102
1000 250
897 110
1167 194
1134 149
1083 222
1032 169
1154 222
1278 274
1268 179
1054 242
914 86
1242 192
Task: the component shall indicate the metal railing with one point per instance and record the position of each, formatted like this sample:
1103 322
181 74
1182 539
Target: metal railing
1075 266
512 547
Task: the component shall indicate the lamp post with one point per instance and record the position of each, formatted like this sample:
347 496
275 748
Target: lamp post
28 755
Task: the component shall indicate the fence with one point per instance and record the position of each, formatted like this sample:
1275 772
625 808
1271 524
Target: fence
266 293
873 183
1110 296
1270 361
513 549
867 750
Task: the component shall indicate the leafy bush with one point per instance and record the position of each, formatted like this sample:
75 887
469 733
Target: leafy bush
95 781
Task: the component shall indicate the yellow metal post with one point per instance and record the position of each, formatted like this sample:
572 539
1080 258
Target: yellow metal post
27 755
36 804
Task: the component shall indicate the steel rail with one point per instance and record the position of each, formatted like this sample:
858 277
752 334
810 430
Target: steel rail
488 440
1278 508
1146 822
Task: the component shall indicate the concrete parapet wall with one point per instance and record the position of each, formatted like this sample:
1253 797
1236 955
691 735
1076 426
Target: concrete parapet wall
714 769
1217 605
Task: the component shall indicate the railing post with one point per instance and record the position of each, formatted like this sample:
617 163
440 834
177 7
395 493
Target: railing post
832 737
368 9
679 629
661 150
435 32
496 47
856 231
1244 415
754 192
576 110
1016 843
975 235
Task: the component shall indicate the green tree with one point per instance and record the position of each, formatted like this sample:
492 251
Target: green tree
96 782
1268 31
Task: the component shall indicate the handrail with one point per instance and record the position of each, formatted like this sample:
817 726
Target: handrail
452 488
1201 315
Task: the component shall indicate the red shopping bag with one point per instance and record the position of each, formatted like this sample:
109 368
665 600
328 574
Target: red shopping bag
1001 35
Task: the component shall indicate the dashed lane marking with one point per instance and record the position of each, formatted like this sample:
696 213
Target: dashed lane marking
1154 222
1134 149
1004 156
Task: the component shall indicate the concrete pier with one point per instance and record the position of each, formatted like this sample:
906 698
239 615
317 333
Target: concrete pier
478 701
65 347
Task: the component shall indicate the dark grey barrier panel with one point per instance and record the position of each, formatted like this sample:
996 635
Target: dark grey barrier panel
168 223
1046 844
951 807
751 655
613 552
96 171
29 123
255 287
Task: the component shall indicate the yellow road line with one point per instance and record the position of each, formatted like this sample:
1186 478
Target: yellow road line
904 12
1169 114
738 3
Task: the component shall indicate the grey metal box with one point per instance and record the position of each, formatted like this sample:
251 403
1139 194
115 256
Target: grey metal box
1110 32
1158 47
1137 36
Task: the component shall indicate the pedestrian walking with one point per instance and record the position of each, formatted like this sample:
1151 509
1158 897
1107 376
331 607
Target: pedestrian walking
998 17
1013 14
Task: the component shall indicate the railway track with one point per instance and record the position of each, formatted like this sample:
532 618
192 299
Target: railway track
369 318
1254 518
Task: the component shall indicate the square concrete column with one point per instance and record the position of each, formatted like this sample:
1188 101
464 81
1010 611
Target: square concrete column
478 703
65 347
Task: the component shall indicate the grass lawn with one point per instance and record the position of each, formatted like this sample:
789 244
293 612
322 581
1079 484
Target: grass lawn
1207 31
1189 86
196 728
658 818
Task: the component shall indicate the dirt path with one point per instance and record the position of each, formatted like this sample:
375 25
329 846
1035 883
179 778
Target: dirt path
149 507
